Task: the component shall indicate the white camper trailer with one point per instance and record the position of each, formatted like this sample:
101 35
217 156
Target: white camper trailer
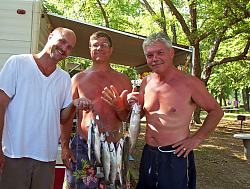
23 28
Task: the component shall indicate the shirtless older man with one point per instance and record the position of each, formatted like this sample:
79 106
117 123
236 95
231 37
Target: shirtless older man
109 116
169 98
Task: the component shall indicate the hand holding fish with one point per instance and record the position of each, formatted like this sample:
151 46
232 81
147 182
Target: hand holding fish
133 97
112 97
83 104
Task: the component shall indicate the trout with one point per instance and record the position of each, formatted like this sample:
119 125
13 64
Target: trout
113 163
90 125
97 144
106 160
134 128
119 159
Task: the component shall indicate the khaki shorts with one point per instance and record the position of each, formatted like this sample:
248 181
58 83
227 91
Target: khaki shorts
26 173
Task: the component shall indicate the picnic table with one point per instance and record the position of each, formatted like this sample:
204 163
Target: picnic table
230 110
246 143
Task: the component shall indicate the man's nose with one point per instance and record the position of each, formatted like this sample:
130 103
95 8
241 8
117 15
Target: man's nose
155 57
99 47
66 48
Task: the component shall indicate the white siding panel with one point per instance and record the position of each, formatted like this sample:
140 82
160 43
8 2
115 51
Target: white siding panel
16 4
16 26
3 58
14 47
15 33
16 29
8 48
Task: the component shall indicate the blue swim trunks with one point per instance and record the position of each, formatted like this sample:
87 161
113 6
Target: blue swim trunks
160 168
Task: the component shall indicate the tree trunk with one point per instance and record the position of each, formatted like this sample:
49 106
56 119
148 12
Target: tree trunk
223 99
197 67
248 95
173 29
245 97
196 115
197 72
236 101
220 99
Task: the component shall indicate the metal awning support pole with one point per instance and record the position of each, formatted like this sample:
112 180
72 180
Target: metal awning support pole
183 49
192 50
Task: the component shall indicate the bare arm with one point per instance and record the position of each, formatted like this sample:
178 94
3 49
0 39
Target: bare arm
67 116
207 102
137 97
67 112
202 98
80 103
4 101
66 129
66 153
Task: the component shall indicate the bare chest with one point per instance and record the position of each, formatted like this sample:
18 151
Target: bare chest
92 85
167 99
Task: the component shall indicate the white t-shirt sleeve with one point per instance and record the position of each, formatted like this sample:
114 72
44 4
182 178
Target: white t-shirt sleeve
68 94
8 77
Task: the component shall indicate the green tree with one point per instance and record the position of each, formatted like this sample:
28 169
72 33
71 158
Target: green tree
121 15
218 31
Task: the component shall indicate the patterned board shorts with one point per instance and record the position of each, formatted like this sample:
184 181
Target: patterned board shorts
83 175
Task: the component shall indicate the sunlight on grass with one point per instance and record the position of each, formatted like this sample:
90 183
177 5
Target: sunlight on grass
213 146
142 134
220 161
237 155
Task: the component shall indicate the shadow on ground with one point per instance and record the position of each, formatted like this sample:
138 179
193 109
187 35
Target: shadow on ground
219 160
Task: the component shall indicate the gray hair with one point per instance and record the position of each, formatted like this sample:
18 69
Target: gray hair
157 37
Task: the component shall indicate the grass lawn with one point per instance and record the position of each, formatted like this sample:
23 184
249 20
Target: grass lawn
220 162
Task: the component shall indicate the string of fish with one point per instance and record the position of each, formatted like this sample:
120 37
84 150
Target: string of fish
107 155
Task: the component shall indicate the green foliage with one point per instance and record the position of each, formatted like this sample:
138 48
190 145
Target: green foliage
229 77
122 14
129 71
212 17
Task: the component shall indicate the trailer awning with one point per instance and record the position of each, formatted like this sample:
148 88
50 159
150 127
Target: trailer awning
127 47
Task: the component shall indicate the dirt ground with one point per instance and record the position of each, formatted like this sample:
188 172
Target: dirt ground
220 159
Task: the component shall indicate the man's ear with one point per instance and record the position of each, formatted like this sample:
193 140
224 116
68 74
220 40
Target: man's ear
171 51
50 36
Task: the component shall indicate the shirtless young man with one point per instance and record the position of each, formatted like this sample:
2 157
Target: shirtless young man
169 98
91 84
